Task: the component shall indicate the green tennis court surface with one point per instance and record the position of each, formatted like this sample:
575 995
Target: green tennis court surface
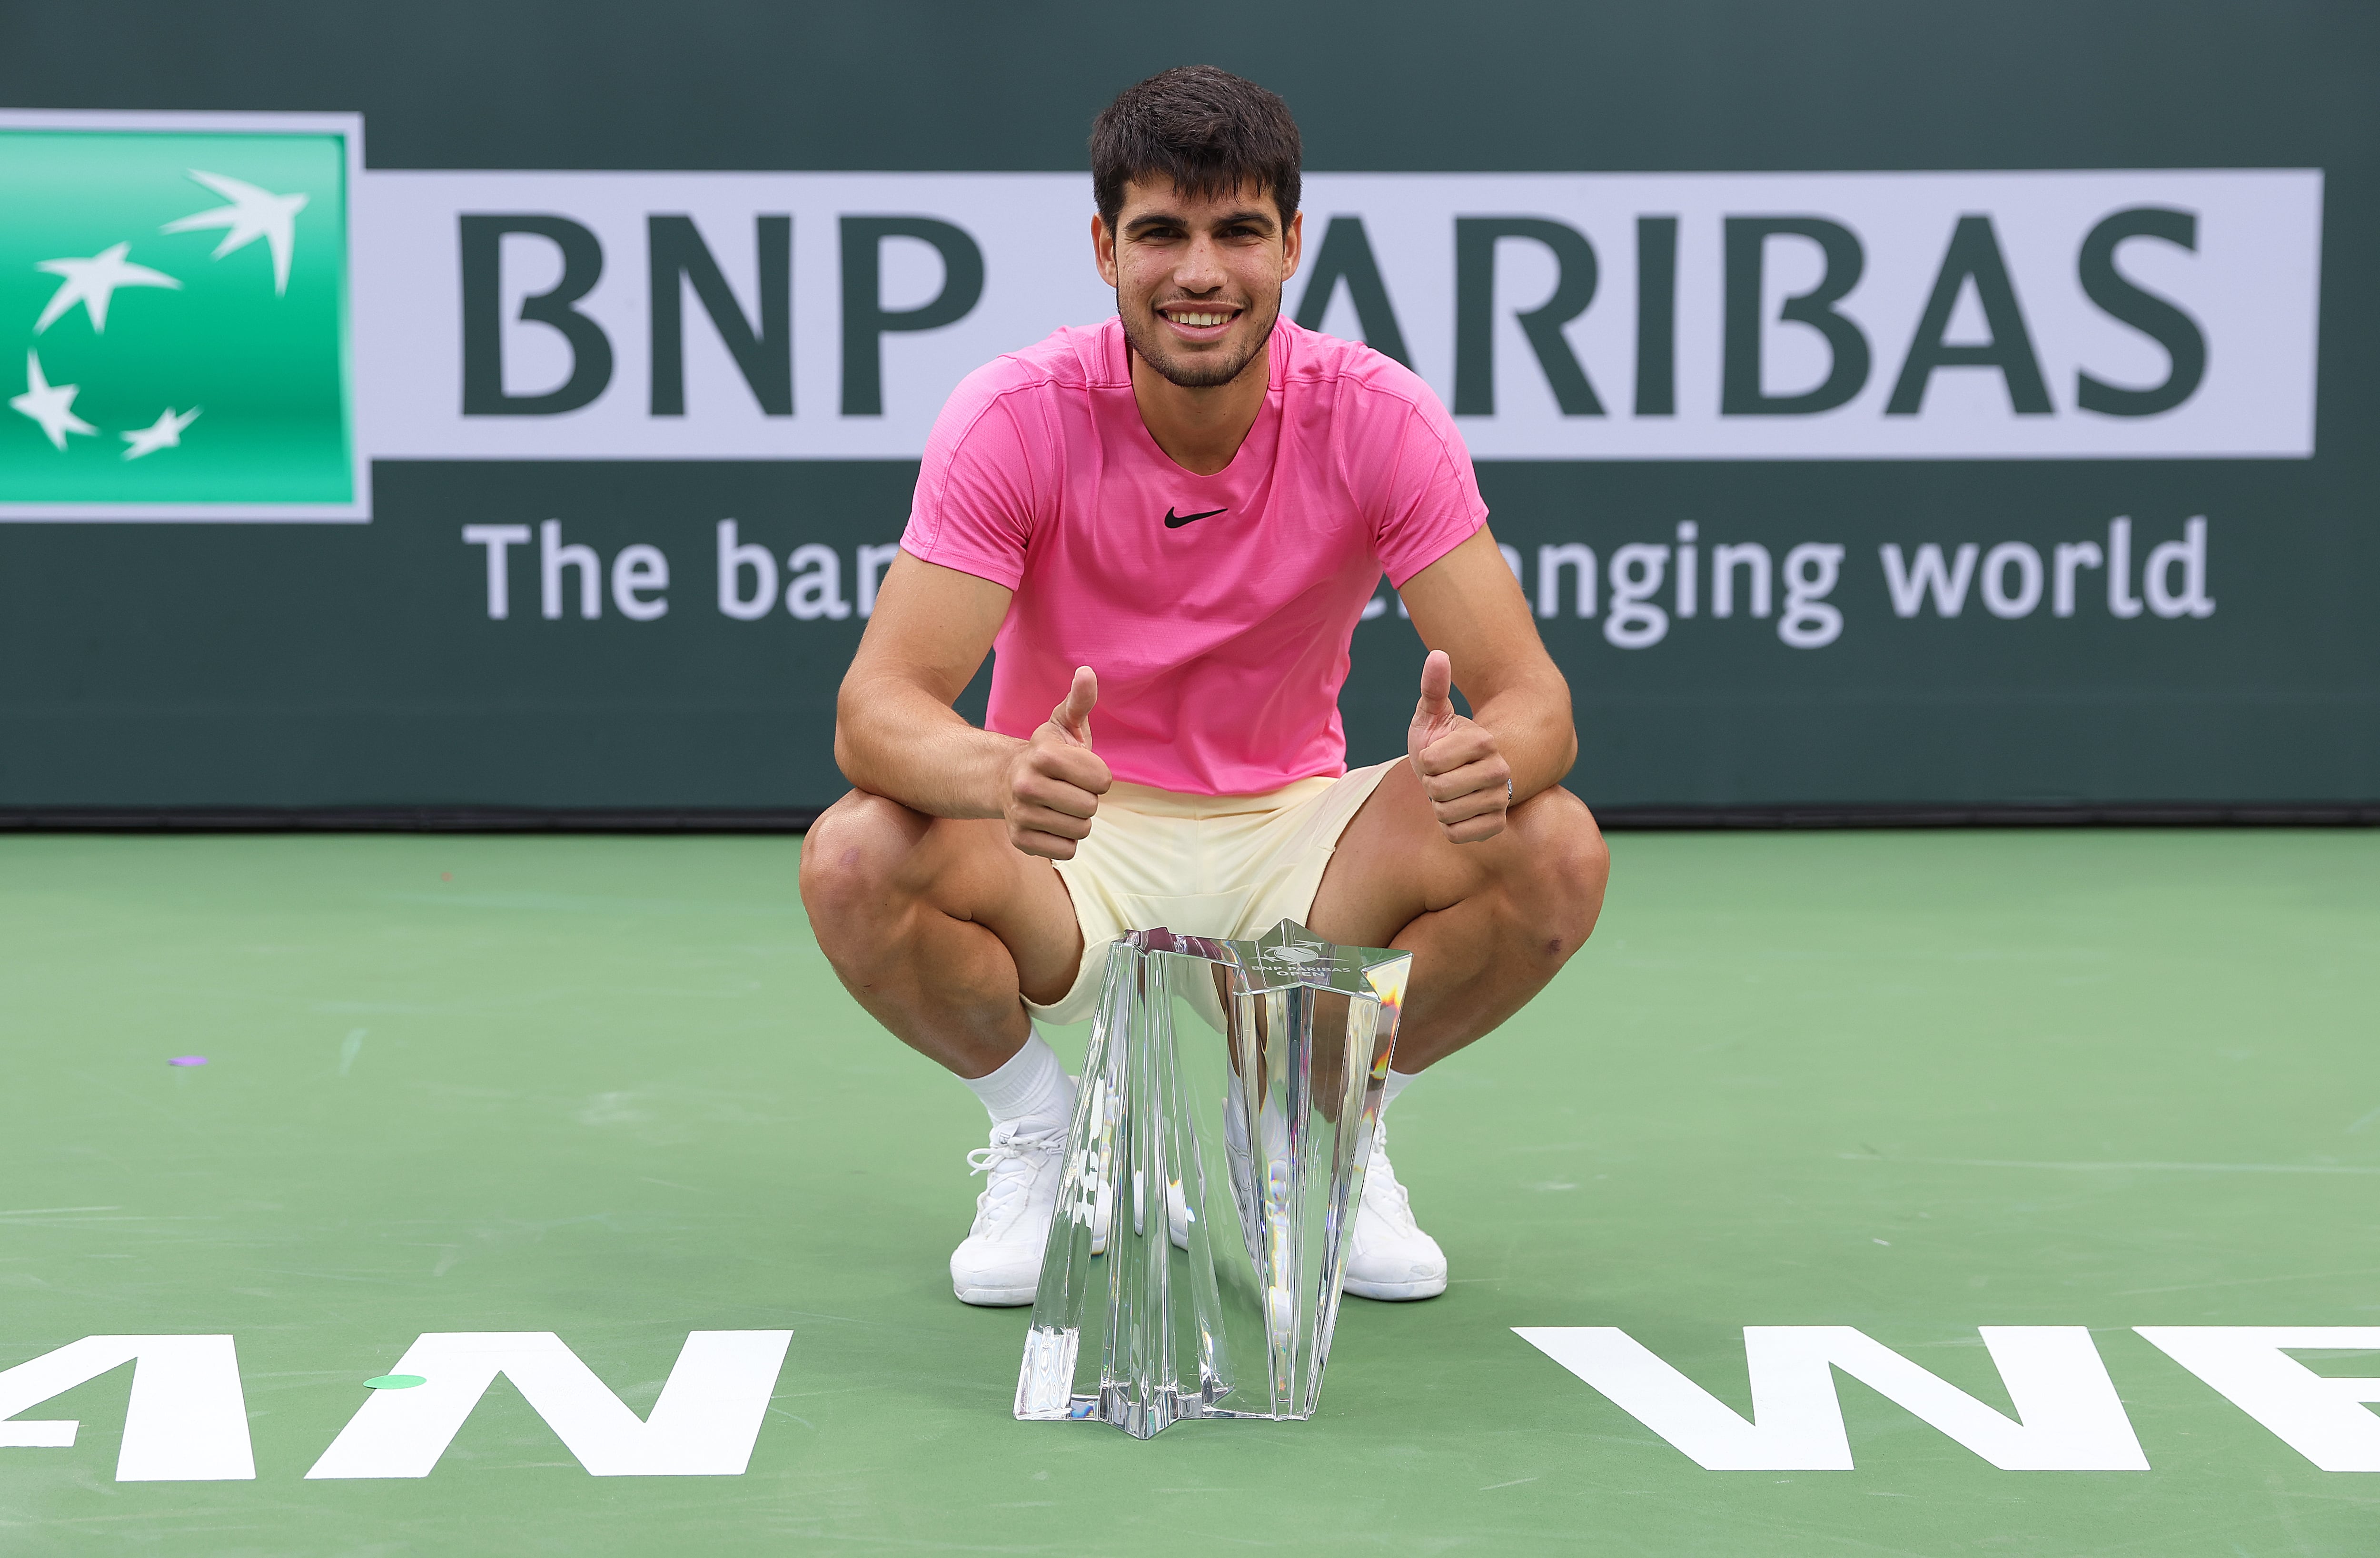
607 1088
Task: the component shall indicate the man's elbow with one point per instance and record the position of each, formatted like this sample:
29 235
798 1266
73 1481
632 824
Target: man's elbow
1565 720
847 745
1563 747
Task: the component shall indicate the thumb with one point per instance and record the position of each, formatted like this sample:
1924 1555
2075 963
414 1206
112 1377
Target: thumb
1436 681
1074 716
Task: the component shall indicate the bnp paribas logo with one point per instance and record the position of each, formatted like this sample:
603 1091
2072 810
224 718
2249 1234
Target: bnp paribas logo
173 317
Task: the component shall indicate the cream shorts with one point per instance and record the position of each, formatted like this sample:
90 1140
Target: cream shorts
1221 865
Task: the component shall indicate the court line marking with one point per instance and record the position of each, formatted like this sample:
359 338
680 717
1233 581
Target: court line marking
2182 1168
45 1210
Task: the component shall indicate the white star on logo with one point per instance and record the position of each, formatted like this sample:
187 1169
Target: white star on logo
163 433
51 405
253 214
92 281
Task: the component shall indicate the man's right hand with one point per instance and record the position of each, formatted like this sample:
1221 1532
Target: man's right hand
1055 783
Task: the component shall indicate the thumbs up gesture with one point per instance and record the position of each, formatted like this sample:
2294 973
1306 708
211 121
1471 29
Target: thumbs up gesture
1467 782
1055 781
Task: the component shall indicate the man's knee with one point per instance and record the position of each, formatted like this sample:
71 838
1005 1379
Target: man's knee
852 861
1562 867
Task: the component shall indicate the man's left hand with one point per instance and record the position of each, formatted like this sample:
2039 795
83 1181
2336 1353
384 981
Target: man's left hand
1467 780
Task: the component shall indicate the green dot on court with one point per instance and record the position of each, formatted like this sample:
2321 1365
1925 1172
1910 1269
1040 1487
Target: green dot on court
395 1381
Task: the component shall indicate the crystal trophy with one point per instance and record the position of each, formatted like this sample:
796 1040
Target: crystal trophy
1213 1166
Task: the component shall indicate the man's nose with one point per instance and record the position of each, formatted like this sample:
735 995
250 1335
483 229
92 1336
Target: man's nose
1201 269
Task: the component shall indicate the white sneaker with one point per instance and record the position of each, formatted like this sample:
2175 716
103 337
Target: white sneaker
999 1263
1393 1258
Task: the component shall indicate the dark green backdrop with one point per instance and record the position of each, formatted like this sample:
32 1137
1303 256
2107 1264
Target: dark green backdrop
148 665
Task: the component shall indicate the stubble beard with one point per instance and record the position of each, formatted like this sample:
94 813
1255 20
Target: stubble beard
1202 372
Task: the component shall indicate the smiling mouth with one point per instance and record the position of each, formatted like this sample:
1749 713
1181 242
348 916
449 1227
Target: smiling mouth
1200 324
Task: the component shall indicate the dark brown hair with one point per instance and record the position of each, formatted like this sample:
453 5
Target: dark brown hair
1204 128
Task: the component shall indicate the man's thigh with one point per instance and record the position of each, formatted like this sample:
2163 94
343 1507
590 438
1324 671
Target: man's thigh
1393 864
963 868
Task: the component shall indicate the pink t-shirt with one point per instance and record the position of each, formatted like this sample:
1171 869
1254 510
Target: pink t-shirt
1217 609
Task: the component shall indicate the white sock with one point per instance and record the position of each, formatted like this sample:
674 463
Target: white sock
1031 1087
1397 1082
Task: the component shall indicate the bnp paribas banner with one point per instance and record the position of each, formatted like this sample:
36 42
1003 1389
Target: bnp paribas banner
1828 486
1823 316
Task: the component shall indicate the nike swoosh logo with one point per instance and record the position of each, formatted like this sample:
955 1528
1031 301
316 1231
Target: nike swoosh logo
1176 521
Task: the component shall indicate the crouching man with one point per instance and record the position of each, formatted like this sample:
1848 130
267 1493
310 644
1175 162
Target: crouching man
1168 527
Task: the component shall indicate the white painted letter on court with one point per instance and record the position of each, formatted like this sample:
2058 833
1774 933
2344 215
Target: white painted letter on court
2068 1416
187 1421
2322 1418
704 1424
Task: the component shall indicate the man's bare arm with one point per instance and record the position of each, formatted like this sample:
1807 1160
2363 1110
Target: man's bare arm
896 735
1468 605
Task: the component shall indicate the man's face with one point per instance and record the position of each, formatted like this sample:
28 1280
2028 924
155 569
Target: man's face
1197 281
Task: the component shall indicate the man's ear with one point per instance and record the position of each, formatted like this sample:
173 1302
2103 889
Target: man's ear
1293 246
1103 248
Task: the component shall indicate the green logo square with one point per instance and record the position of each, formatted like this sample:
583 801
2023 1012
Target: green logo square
174 319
